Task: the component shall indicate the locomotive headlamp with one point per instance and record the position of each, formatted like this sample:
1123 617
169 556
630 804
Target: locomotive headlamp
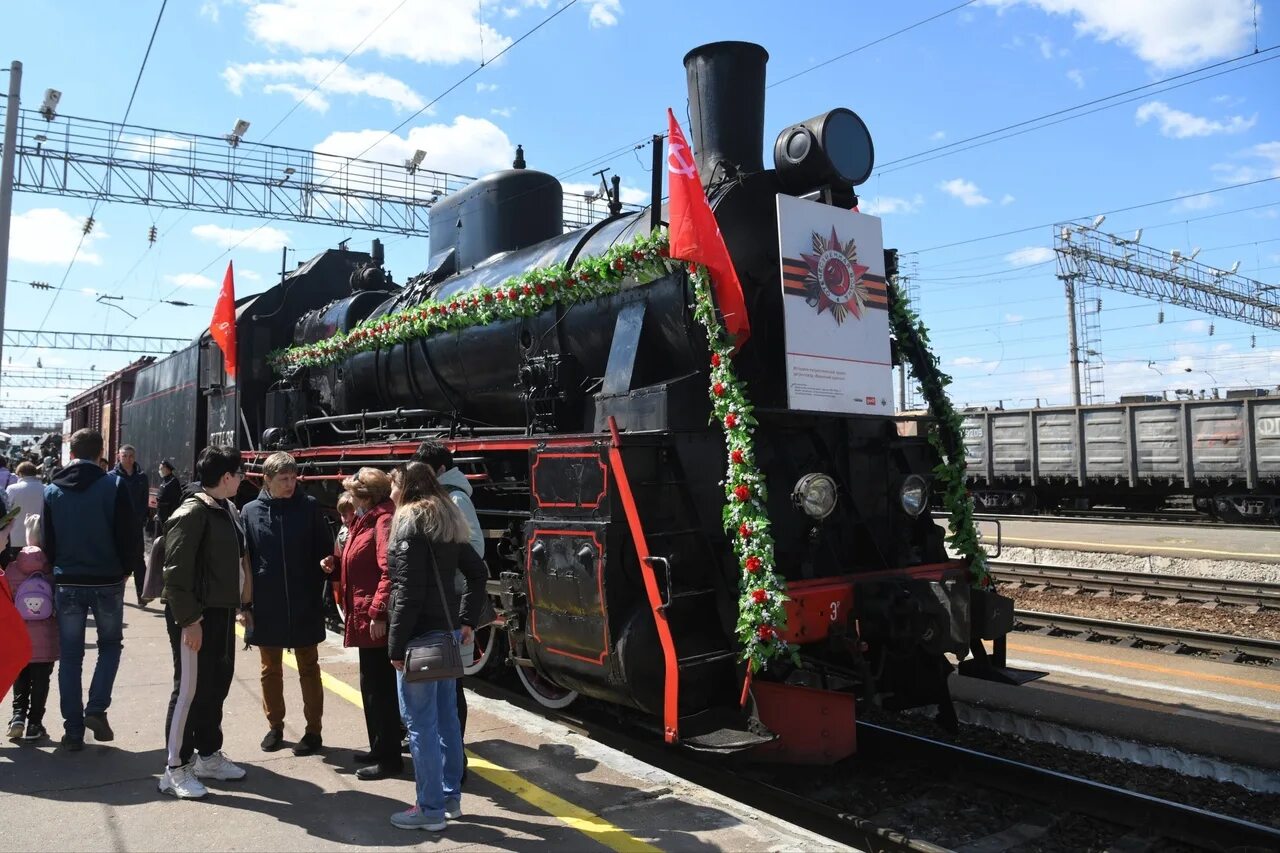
914 495
831 149
816 495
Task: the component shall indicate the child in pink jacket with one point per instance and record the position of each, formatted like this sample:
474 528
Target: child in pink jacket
31 690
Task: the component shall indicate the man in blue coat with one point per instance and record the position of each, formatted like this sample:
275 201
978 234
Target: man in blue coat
287 537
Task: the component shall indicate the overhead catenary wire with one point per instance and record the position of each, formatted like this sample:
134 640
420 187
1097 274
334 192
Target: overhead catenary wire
94 207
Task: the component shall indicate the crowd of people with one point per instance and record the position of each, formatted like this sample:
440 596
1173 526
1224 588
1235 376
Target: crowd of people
406 564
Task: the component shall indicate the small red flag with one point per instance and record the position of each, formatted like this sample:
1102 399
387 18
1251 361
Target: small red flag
14 639
223 327
695 235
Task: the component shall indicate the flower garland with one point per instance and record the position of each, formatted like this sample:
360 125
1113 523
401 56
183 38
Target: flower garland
761 616
524 295
947 438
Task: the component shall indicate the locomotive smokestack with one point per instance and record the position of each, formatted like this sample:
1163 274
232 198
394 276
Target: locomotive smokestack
726 107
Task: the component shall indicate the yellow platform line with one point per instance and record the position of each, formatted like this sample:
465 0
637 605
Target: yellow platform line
1110 547
575 817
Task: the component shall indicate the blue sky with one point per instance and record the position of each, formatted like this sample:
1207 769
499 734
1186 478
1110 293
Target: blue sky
601 74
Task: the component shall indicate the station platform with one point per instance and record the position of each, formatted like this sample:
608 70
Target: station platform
1223 543
533 785
1129 702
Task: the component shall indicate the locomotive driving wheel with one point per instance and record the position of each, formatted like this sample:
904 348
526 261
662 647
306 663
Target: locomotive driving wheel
487 647
545 692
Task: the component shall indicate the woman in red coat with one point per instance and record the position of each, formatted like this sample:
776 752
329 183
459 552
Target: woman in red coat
366 592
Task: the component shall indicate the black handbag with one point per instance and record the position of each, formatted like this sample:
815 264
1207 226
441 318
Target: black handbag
435 655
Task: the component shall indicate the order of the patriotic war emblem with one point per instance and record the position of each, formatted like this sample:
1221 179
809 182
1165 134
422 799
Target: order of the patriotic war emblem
834 279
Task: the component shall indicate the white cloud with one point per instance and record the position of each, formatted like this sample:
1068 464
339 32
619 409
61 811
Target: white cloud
49 235
1228 100
884 205
192 280
1014 318
505 112
1166 34
1007 199
1029 255
442 31
966 191
209 9
604 13
486 87
938 135
342 80
1077 77
966 361
248 275
1236 173
1177 124
468 146
264 239
1195 202
159 146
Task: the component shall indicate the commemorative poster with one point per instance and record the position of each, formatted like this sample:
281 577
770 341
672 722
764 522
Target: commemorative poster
835 309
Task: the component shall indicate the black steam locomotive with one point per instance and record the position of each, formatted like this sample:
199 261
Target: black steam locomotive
585 431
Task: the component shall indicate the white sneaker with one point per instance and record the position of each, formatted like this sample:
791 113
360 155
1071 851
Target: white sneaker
182 783
217 766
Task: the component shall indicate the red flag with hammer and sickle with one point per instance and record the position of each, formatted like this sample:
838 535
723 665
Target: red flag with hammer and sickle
223 327
695 235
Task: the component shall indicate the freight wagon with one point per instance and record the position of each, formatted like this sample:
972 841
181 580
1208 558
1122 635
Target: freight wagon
102 406
1222 456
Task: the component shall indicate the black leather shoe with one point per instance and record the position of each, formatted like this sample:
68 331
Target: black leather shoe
378 771
364 757
97 723
273 741
309 745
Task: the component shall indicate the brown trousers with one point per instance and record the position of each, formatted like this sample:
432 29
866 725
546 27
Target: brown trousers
308 658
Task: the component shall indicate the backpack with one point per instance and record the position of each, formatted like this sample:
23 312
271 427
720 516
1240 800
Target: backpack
34 598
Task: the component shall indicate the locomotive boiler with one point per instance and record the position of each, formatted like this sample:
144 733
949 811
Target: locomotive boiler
585 431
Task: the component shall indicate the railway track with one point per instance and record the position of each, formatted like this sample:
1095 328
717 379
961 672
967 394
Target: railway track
905 792
1180 520
1178 588
1225 647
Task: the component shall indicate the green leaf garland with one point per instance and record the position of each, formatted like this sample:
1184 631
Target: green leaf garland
525 295
762 594
947 436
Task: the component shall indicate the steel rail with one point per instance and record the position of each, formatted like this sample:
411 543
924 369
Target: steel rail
1179 587
1177 640
1182 520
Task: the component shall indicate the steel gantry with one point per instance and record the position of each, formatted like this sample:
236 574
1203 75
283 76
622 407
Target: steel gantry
142 344
87 158
1091 258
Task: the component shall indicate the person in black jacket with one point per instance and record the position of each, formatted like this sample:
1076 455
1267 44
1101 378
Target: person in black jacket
169 496
134 477
287 538
429 545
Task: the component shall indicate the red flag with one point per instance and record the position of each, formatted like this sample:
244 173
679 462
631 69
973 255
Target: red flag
223 327
14 639
695 235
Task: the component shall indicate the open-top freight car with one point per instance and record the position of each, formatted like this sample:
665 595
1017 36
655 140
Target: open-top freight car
1221 456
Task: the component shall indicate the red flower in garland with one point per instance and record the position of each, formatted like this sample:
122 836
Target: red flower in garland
753 564
453 306
637 255
759 596
731 420
742 493
488 297
738 457
766 632
513 293
715 359
502 294
540 289
718 389
744 531
619 264
528 290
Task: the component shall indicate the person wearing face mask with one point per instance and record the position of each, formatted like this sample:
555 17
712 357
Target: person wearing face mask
366 592
287 538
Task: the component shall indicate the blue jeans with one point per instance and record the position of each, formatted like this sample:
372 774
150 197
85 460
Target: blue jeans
74 603
430 711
